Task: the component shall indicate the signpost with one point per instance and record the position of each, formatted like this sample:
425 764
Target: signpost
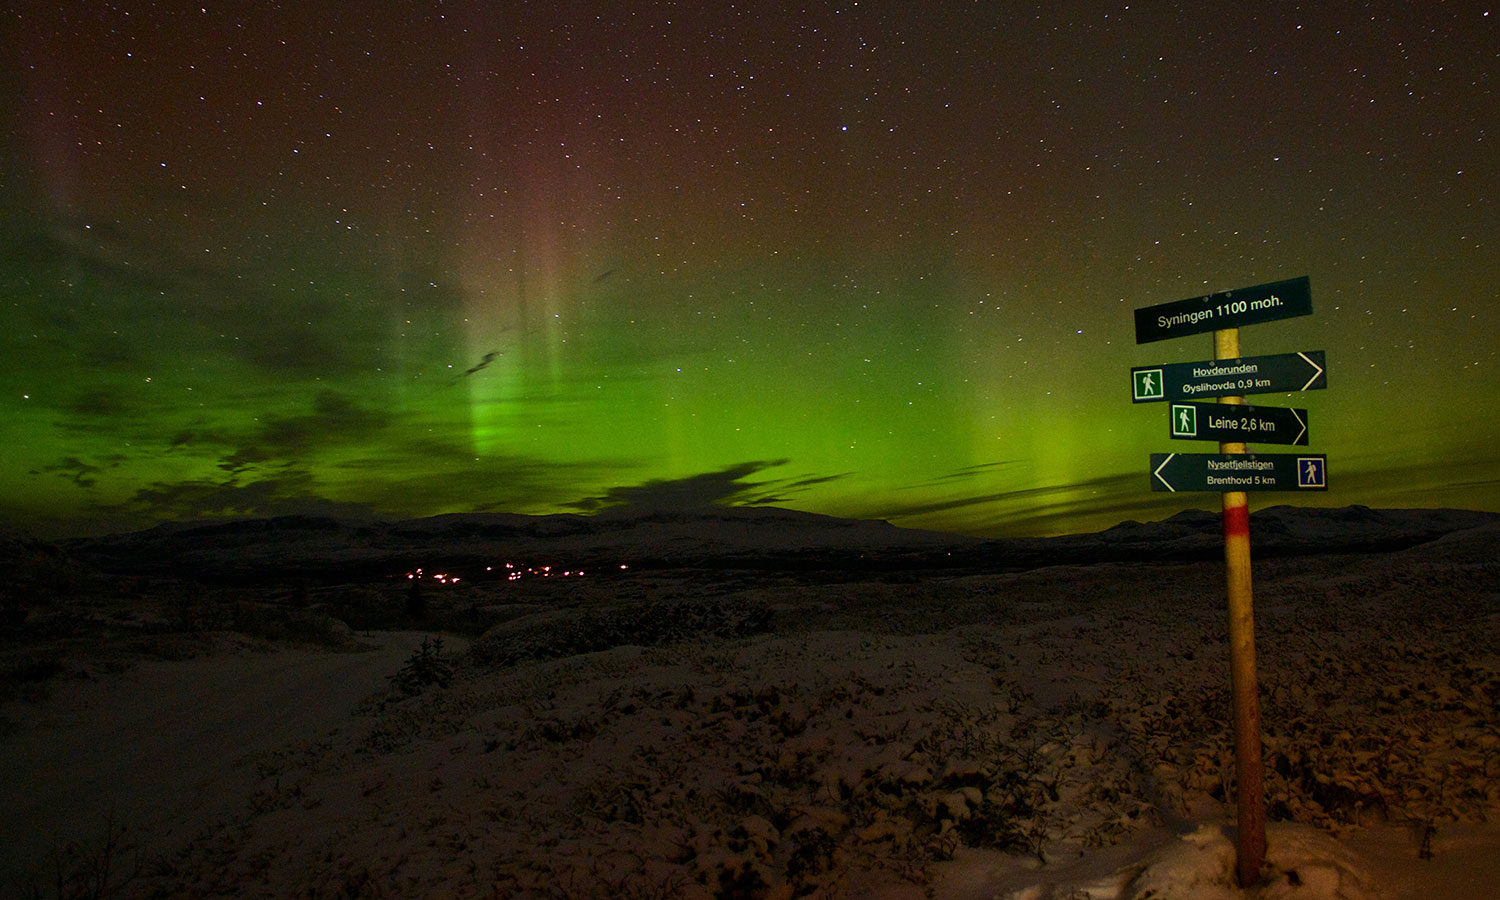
1281 373
1237 422
1232 471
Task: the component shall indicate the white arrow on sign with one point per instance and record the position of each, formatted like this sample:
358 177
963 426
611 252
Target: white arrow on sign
1300 422
1318 368
1163 465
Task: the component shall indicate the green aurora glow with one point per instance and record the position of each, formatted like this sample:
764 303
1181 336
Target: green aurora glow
854 265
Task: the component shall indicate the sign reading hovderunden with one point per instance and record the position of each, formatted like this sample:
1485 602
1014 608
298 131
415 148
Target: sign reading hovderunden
1274 374
1238 472
1226 309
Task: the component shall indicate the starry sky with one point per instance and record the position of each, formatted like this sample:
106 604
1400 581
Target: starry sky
873 259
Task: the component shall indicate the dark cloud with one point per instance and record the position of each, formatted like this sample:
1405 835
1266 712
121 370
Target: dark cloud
342 416
451 481
766 500
814 479
1037 507
291 493
300 351
101 403
160 298
448 478
116 256
974 471
480 366
76 470
243 459
1036 494
1092 512
725 487
335 420
110 352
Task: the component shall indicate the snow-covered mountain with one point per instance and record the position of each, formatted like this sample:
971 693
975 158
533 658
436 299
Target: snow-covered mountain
734 537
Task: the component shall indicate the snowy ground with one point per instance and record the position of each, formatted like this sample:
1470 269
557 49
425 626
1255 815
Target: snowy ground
1058 733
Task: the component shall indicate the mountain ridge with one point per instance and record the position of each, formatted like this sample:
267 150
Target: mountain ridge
718 537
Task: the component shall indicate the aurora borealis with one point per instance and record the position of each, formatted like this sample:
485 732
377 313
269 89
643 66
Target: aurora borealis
868 259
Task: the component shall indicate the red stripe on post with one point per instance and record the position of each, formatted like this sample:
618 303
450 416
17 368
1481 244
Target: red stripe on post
1237 521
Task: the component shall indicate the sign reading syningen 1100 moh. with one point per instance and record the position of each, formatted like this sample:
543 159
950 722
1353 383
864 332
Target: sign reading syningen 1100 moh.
1226 309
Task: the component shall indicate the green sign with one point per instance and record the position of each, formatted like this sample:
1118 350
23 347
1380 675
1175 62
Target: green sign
1238 472
1226 309
1236 422
1279 373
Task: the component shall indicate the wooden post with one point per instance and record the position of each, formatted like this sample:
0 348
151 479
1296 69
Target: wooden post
1243 682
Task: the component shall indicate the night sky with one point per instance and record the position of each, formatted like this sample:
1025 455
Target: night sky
873 259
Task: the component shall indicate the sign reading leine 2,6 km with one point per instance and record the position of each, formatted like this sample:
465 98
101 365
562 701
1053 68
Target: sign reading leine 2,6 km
1225 422
1275 374
1238 472
1226 309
